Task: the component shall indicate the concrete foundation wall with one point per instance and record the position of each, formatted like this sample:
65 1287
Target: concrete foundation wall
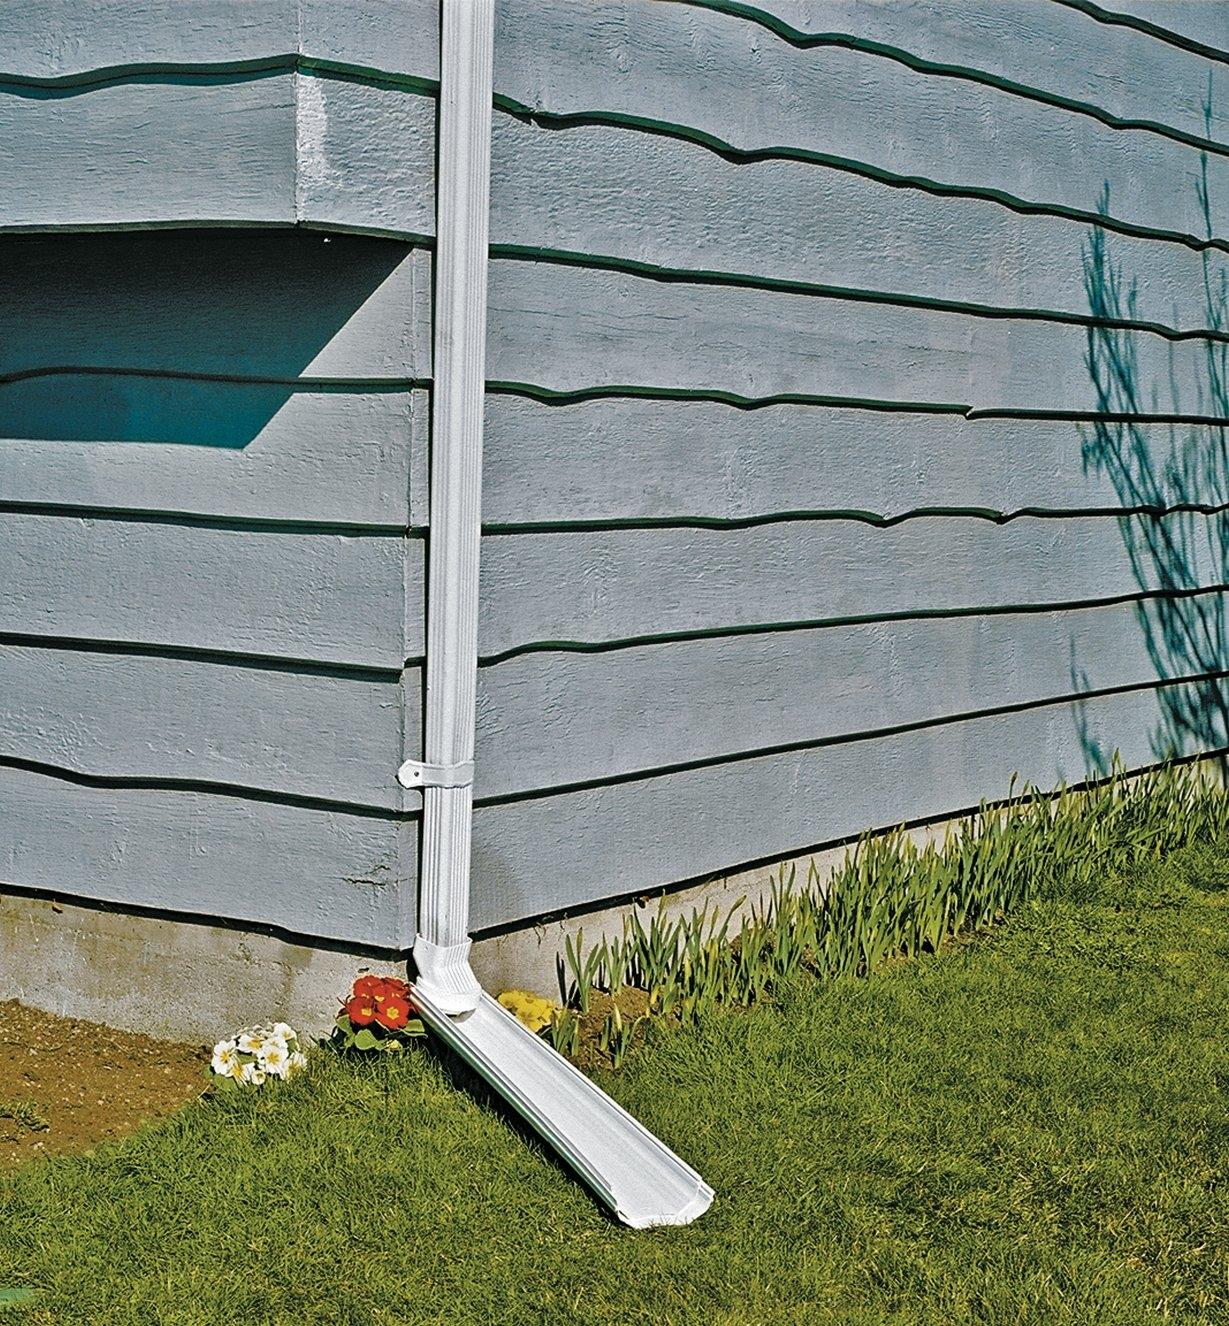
186 980
177 980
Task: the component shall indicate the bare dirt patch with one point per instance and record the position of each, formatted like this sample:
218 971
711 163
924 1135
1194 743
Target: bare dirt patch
66 1085
633 1006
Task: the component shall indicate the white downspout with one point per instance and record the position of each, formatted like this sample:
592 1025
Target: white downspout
635 1174
441 951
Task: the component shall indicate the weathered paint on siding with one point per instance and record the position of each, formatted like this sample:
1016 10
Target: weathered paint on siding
827 460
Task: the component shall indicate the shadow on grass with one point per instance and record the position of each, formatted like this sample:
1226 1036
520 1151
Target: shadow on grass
464 1080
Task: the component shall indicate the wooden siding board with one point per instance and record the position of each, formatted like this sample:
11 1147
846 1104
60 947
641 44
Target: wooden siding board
1192 20
45 39
263 148
603 586
720 76
50 39
634 459
1035 44
400 38
567 190
316 873
329 306
568 329
246 451
326 597
140 153
366 157
576 848
277 730
546 720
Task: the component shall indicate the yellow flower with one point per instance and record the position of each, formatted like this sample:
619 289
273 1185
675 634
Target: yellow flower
530 1009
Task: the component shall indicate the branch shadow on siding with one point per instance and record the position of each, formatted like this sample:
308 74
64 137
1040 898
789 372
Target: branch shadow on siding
1184 637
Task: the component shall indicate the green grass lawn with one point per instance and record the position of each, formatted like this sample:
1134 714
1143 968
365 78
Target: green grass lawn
1030 1128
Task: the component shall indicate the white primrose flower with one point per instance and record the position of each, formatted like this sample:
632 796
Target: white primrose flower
274 1056
253 1075
257 1053
223 1058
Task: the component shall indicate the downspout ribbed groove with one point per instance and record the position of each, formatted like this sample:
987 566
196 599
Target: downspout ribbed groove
441 951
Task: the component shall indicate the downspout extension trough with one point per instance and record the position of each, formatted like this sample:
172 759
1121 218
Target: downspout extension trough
629 1169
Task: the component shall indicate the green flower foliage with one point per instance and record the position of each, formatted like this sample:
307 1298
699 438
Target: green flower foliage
892 898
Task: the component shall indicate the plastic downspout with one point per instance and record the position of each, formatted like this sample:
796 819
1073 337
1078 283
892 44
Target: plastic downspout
629 1169
441 951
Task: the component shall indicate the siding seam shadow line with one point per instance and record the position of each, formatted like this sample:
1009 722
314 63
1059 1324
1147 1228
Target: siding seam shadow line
921 65
341 669
835 623
843 739
717 523
1166 35
669 275
563 120
563 396
206 787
